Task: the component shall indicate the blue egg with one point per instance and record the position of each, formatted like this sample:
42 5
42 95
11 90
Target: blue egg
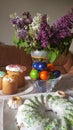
56 73
41 66
35 64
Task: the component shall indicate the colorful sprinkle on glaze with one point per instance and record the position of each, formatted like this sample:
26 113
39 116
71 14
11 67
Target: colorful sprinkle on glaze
2 73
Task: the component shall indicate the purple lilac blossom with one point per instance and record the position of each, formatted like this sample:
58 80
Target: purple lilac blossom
44 32
54 35
21 25
14 20
18 22
22 34
62 29
27 18
22 22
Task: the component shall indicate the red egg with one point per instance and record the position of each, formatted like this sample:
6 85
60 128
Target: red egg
50 67
44 75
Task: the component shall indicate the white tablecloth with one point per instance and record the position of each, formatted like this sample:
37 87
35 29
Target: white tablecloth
1 113
65 84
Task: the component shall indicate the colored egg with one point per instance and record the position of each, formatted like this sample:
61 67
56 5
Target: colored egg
56 73
41 66
50 67
44 75
35 64
34 74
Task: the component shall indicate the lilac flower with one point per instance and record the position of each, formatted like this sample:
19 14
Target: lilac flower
44 31
38 34
21 22
62 29
27 18
15 20
22 34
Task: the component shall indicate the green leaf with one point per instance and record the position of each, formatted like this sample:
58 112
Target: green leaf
28 50
52 57
15 39
58 53
24 44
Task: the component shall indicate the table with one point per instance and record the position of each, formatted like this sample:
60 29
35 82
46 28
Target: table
65 83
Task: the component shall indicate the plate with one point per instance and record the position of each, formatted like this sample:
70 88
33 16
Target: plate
26 89
9 122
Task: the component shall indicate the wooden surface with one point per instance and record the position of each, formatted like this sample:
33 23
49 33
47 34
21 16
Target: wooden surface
12 55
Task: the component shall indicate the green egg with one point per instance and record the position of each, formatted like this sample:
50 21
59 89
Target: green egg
34 74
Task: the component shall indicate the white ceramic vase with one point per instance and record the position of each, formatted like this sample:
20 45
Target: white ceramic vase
39 54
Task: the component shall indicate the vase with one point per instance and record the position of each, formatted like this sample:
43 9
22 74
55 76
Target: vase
39 55
46 85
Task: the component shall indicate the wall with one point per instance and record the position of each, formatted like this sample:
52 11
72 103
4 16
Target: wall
54 8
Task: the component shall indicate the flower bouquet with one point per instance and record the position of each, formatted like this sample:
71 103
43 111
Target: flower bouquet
37 34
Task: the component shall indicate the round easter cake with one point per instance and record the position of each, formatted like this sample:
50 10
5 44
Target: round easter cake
46 112
9 84
19 71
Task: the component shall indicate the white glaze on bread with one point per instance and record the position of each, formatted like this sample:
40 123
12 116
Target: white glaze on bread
15 68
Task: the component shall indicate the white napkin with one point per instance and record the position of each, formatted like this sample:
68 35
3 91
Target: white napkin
9 122
1 113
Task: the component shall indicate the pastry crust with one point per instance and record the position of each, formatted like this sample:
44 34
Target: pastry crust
15 102
9 84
